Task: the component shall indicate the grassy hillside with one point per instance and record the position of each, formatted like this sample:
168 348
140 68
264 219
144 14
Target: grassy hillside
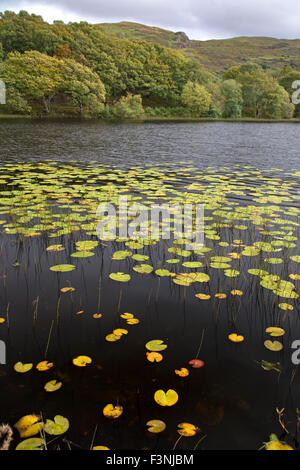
216 55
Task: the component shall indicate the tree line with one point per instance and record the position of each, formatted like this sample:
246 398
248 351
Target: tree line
76 69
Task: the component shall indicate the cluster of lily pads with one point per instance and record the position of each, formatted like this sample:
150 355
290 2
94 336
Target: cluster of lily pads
251 228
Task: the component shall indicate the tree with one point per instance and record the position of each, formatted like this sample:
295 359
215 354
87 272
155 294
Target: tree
24 32
233 99
62 51
84 87
128 107
33 76
263 97
274 101
196 98
217 99
38 79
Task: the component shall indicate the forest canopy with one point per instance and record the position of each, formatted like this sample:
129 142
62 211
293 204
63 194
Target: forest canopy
77 69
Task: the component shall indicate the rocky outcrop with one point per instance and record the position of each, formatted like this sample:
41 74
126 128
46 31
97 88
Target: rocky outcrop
182 40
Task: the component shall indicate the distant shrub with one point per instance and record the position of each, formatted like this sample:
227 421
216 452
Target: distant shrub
128 107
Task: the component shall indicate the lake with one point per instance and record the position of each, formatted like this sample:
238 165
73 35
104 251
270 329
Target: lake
53 175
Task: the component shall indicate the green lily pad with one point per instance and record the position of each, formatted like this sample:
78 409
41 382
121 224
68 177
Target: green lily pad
156 345
82 254
33 443
59 426
119 255
143 269
273 345
63 268
121 277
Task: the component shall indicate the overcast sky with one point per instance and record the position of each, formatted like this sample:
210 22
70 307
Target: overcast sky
200 19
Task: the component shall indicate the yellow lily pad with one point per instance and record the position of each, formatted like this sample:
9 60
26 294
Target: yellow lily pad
29 425
166 399
156 426
112 412
52 386
22 368
81 361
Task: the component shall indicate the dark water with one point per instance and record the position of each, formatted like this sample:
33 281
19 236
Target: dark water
232 399
263 145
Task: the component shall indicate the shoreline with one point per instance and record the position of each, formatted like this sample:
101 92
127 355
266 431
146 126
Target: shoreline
146 119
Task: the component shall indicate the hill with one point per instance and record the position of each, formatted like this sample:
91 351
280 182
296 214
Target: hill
216 55
124 70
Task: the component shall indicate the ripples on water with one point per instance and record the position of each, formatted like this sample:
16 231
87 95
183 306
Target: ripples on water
231 398
263 145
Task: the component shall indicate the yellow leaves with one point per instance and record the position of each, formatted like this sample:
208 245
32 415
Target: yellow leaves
116 335
236 338
285 306
126 316
236 292
202 296
112 412
156 426
133 321
234 255
273 345
221 296
22 368
130 319
112 338
295 277
29 425
81 361
67 289
55 248
52 386
278 446
97 315
183 372
154 356
120 332
44 365
166 399
187 429
275 331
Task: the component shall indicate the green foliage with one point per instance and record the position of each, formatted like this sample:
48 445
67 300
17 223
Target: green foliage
217 99
196 98
85 88
128 107
35 79
34 76
23 32
263 97
233 99
94 70
161 111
